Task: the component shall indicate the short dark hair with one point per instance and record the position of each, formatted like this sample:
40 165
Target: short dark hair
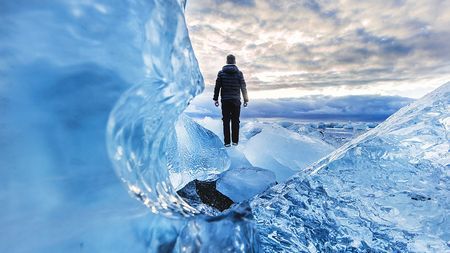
231 59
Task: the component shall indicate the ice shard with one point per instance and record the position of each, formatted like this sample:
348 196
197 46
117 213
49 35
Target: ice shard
240 184
194 153
283 151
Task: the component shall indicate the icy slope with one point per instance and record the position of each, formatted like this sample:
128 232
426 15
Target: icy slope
387 190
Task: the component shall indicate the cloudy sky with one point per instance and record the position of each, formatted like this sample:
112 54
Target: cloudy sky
325 48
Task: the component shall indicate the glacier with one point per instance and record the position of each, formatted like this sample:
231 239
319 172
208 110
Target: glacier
92 95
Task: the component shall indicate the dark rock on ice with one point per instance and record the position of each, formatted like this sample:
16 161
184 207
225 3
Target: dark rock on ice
197 192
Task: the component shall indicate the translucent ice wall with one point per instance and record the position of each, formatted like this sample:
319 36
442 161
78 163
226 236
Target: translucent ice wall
387 190
63 67
143 119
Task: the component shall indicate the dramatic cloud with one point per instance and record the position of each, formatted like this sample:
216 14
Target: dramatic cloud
308 47
356 108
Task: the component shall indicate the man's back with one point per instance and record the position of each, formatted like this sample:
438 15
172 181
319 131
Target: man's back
230 82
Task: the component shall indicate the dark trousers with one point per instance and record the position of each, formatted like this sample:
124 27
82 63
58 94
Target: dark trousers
231 109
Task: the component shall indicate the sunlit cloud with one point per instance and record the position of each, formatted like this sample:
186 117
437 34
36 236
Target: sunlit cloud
333 48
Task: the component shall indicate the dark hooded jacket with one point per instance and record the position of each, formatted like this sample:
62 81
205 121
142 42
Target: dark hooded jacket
230 82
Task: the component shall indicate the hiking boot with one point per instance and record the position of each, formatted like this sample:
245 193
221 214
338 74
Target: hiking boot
227 145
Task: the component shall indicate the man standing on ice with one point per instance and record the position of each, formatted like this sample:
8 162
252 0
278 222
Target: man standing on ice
230 82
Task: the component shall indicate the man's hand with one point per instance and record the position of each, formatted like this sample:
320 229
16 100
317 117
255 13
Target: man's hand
216 103
245 104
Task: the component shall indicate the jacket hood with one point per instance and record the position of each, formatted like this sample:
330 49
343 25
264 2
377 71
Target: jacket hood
230 69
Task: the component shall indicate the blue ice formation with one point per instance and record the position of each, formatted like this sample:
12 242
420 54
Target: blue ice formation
283 151
194 153
143 120
70 69
267 145
63 67
385 191
232 231
240 184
